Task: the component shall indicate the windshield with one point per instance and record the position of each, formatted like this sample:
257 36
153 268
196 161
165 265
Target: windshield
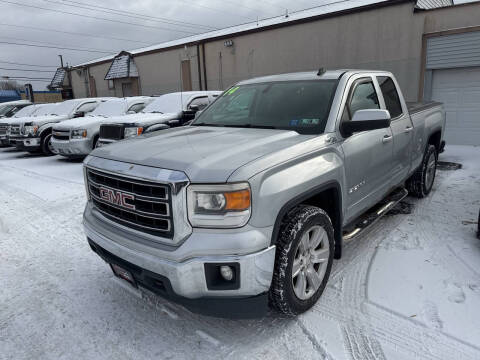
5 109
302 106
65 108
170 103
26 111
46 109
110 108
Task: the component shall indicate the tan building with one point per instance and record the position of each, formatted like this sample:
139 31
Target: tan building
430 45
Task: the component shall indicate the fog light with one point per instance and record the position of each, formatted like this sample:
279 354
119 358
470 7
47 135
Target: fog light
226 272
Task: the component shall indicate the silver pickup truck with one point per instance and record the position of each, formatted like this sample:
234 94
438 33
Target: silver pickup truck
249 205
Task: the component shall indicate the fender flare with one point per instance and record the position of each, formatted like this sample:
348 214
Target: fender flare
297 200
44 129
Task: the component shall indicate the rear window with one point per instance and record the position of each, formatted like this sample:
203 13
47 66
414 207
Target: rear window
390 95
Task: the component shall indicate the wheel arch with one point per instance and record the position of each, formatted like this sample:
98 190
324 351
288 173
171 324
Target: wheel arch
328 197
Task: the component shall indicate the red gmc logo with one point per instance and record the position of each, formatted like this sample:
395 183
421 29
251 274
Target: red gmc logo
117 198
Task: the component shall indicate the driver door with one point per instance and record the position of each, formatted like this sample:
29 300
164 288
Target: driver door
368 154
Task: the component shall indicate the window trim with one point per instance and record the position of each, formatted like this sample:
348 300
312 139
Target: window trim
398 117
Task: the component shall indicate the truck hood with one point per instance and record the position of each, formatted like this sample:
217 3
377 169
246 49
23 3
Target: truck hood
141 119
40 120
80 123
204 154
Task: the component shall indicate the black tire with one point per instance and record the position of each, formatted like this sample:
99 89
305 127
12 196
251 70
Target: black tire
282 296
420 184
45 145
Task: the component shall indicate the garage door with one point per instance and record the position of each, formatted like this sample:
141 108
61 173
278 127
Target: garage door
459 90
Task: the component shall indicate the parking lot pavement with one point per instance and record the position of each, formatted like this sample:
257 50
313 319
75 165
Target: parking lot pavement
408 289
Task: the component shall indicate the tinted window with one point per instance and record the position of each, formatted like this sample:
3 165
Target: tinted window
302 106
390 95
364 97
137 107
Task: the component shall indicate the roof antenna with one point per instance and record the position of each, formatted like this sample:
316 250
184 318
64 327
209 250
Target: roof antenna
321 71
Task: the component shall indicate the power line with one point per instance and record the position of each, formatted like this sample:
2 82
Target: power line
15 63
14 77
214 9
130 14
53 47
44 71
244 6
74 33
95 17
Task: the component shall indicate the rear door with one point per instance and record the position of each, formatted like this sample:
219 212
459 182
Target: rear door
402 129
368 154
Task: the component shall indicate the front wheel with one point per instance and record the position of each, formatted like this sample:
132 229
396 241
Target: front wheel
303 260
421 182
47 147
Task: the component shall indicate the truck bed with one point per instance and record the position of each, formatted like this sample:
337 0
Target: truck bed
416 107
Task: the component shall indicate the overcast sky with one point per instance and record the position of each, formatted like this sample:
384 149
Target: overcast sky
32 19
46 22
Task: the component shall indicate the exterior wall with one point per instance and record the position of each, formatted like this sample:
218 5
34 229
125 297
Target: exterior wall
388 38
78 83
161 72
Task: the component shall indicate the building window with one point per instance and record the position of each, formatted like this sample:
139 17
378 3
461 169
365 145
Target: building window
111 84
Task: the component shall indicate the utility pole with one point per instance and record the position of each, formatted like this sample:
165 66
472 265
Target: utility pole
61 60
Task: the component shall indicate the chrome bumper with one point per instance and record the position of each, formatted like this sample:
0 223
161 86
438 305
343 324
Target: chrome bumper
73 147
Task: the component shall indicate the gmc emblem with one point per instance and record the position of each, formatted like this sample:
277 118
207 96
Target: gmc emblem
117 198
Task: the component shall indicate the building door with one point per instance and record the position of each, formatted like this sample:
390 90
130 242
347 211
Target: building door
459 90
126 89
186 76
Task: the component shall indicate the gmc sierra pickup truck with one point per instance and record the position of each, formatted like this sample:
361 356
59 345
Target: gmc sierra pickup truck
166 111
77 137
249 204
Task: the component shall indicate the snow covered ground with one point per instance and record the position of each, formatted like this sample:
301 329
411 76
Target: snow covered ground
409 289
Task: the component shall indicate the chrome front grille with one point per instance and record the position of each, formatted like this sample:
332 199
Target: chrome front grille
142 205
3 129
61 134
15 130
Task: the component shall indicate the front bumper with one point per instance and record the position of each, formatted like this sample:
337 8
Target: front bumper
228 307
73 147
27 144
184 266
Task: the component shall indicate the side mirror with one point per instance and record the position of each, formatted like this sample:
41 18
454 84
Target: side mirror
173 122
157 127
364 120
79 114
194 108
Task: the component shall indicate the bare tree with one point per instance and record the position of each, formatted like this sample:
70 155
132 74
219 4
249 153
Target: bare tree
10 85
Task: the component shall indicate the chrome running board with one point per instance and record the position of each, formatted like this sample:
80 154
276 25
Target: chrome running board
374 214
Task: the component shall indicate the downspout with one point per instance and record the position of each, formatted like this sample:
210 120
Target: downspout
204 67
198 68
87 88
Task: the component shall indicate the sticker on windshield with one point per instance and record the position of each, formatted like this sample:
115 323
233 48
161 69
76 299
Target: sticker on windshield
232 90
304 122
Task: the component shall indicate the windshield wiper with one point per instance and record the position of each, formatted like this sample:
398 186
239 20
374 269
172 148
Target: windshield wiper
251 126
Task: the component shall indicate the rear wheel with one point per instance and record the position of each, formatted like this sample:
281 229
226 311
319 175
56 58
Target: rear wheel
421 182
303 260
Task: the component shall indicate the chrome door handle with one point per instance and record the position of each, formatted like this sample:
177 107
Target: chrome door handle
408 129
387 138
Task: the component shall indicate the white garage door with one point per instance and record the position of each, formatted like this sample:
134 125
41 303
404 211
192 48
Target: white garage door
459 90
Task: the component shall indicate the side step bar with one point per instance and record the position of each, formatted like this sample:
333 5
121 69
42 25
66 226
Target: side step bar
374 214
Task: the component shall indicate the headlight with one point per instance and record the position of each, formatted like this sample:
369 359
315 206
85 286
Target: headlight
219 206
30 129
79 134
132 131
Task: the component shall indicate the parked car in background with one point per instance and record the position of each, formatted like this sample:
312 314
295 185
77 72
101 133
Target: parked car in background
77 137
8 109
35 133
26 112
165 111
249 205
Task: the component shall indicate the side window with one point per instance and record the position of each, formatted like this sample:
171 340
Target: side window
86 108
363 97
137 107
390 95
201 102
